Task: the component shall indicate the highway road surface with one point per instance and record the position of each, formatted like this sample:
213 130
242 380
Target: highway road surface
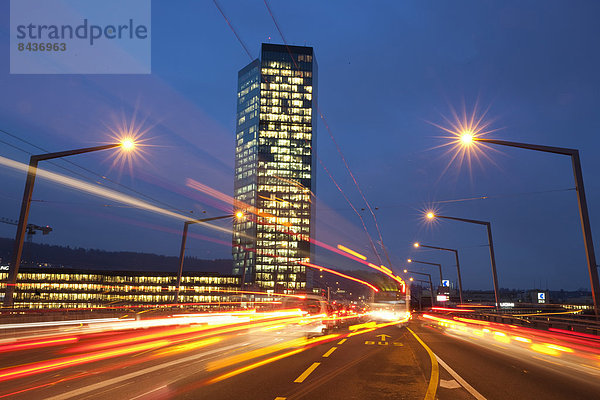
273 359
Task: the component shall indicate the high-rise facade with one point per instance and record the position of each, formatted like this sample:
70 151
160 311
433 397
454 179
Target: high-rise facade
275 157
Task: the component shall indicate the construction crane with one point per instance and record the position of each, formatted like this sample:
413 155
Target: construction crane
32 229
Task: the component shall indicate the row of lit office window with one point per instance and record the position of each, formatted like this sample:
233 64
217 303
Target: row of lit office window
280 236
303 136
294 151
283 220
245 163
246 152
285 103
288 174
67 287
292 66
285 95
282 79
304 214
264 264
279 252
245 189
279 188
283 208
287 213
271 284
271 168
286 72
286 110
269 260
286 118
276 180
291 244
278 126
61 296
282 142
271 224
246 134
247 87
49 278
244 171
286 87
278 276
250 105
243 143
248 172
295 229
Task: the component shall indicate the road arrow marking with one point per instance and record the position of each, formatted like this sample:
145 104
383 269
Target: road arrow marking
382 337
451 384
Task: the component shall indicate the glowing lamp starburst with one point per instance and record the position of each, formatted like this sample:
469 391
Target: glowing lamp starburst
127 144
467 137
463 136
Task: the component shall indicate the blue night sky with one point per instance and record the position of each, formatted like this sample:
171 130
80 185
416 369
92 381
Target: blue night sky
387 71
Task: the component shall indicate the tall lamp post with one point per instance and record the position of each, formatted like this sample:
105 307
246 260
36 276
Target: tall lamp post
460 290
469 138
428 276
430 215
410 260
186 224
13 273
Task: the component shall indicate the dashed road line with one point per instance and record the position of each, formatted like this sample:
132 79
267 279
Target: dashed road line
306 373
342 341
331 350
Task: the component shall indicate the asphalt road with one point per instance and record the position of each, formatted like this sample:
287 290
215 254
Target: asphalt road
388 363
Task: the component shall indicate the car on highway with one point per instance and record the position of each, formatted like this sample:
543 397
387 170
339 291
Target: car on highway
318 313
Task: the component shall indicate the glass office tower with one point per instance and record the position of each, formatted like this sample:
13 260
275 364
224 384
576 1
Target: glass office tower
275 158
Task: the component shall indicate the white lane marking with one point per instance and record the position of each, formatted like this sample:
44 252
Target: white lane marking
460 380
151 391
100 385
451 384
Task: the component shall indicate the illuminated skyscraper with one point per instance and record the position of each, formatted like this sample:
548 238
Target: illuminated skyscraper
274 168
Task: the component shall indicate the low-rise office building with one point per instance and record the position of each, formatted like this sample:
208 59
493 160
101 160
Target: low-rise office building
77 288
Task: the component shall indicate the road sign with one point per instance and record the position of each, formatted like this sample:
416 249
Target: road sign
541 297
446 283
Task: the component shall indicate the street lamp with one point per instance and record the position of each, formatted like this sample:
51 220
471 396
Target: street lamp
460 291
583 208
410 260
186 224
125 145
427 275
431 215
